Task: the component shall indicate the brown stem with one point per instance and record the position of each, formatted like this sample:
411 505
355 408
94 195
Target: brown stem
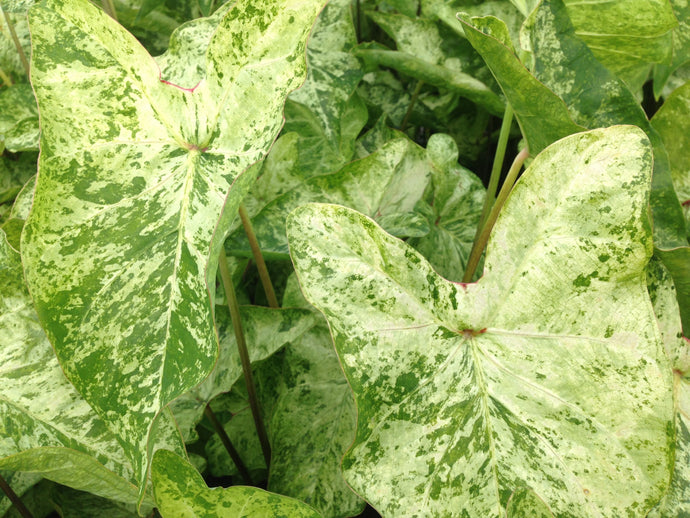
258 258
234 454
234 308
16 501
413 101
15 39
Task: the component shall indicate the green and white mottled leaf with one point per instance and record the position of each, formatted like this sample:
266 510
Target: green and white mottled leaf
137 184
266 330
312 426
388 182
543 116
524 502
180 492
18 118
676 501
626 36
454 208
47 428
597 98
467 393
10 62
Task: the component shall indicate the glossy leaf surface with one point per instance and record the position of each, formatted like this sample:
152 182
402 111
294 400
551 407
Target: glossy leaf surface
180 492
466 393
137 184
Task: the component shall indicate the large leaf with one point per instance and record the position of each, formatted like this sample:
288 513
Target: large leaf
137 184
47 428
468 393
543 117
681 46
181 493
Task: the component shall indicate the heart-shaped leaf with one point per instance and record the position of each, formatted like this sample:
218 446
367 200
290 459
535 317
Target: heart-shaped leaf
468 393
180 492
137 183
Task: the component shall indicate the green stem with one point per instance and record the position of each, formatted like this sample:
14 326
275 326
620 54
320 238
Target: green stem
109 8
258 258
16 501
6 79
495 175
234 454
234 308
15 39
413 101
480 243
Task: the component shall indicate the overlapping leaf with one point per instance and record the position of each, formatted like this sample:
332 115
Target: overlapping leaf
180 492
469 393
47 427
137 183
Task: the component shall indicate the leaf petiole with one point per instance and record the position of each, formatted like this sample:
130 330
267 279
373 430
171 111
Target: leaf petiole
258 258
480 242
15 39
234 308
16 501
232 451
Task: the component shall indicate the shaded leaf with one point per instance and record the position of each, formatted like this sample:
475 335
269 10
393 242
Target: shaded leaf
479 390
181 493
18 118
137 184
681 46
543 117
312 426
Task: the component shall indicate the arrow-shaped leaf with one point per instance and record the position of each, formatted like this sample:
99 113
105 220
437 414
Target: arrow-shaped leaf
136 184
469 393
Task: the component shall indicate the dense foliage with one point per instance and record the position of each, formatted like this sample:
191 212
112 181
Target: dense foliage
275 258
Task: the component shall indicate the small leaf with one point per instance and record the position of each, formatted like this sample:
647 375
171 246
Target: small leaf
18 118
180 492
467 393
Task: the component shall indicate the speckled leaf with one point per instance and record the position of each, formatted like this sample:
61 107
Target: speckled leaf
676 501
389 181
137 183
626 36
542 115
46 427
180 492
595 98
312 426
20 484
454 208
266 330
10 63
467 393
18 118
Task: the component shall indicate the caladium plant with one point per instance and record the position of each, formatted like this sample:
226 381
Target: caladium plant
135 377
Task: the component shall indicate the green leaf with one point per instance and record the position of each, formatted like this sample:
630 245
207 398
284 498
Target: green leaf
266 330
467 393
681 46
20 483
47 428
543 116
312 426
626 36
454 210
390 181
181 493
137 184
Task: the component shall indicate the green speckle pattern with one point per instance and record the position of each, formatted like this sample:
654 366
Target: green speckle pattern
137 184
513 376
181 492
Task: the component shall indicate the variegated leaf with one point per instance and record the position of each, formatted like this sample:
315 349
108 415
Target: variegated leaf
46 427
180 492
137 183
468 393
